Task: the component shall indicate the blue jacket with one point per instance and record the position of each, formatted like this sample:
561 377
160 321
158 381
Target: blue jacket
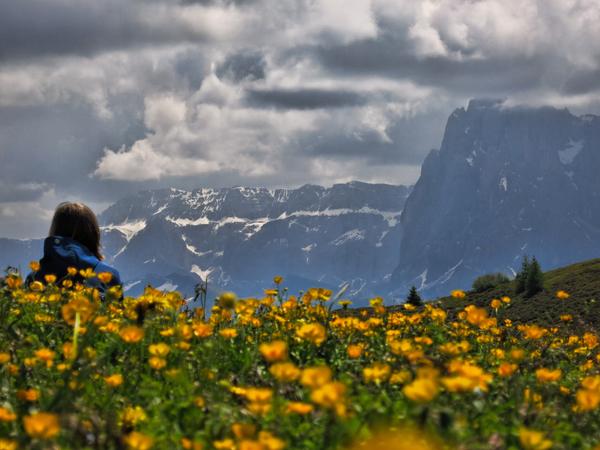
61 253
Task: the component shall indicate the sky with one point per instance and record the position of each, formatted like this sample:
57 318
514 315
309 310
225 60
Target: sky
103 98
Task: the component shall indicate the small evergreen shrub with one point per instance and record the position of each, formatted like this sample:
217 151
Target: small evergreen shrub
489 281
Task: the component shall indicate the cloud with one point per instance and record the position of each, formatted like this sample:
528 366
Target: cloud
304 98
101 98
21 192
34 28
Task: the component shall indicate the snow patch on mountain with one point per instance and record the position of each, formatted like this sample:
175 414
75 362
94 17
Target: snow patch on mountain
167 286
503 184
180 222
351 235
570 152
127 229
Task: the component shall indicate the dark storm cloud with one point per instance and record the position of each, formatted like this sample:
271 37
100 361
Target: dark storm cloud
304 98
582 82
391 56
246 65
34 28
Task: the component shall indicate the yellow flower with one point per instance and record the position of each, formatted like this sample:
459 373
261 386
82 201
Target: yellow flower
41 425
355 350
458 293
507 369
157 363
375 302
319 294
377 373
225 444
138 441
227 300
533 331
29 395
345 303
313 377
6 415
505 299
50 279
243 430
329 395
258 408
479 317
495 303
4 357
533 440
466 377
312 332
587 399
421 390
270 441
562 295
105 277
79 305
547 375
14 282
285 371
45 354
132 415
36 286
114 380
278 279
403 437
161 349
228 333
87 273
8 444
274 351
258 395
298 408
34 266
188 444
131 334
400 377
72 271
201 329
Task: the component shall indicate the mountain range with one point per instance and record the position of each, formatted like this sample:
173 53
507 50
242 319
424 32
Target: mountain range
506 181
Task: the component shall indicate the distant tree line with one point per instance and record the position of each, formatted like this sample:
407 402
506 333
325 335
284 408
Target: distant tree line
529 281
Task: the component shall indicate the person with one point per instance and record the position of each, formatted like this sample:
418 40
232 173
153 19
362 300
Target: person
74 242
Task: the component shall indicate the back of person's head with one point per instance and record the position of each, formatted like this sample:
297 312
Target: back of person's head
77 221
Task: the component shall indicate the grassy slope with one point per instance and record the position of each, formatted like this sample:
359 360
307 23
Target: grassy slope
581 281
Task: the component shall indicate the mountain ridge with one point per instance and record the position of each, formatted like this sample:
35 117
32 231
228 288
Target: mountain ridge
524 176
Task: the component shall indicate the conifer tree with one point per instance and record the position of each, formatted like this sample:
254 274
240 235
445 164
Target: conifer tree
535 278
521 278
413 297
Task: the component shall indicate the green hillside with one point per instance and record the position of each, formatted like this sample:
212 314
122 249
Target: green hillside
580 280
